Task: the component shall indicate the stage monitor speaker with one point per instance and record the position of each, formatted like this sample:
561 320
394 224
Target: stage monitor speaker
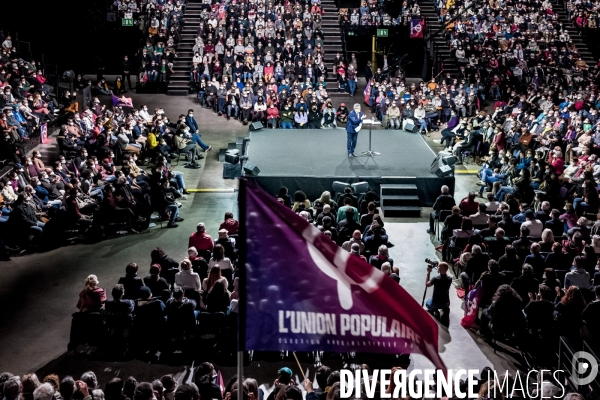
410 127
443 171
232 171
232 158
360 187
439 168
449 160
251 170
256 126
338 187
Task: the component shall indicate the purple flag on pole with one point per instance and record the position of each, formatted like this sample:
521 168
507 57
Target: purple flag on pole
304 293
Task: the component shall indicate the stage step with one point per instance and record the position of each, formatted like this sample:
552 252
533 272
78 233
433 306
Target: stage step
400 200
398 190
402 211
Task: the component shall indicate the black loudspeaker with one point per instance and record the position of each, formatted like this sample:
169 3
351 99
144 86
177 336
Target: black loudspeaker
232 156
443 171
410 127
251 170
439 167
256 126
449 160
232 171
338 187
360 187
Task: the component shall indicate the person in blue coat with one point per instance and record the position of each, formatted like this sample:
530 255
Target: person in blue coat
190 121
355 120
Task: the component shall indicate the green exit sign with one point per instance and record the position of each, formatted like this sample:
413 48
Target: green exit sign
382 32
129 22
351 33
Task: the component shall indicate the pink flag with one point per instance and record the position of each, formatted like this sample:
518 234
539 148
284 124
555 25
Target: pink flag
367 94
471 307
121 101
304 293
417 26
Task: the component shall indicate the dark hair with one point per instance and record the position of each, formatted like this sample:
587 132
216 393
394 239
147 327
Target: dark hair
347 200
506 294
143 391
118 291
218 252
290 392
228 215
493 266
131 269
467 224
524 231
322 374
114 389
129 386
177 293
546 292
168 382
186 392
573 300
299 196
157 255
67 387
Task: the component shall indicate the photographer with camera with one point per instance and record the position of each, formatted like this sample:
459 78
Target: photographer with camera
440 300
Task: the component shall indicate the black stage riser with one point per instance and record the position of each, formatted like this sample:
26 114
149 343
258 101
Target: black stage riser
428 187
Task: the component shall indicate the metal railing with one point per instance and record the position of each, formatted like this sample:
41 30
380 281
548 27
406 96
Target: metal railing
569 365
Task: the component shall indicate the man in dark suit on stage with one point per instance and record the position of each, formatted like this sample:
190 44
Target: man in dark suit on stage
355 120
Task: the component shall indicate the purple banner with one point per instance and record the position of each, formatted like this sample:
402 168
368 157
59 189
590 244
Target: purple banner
304 293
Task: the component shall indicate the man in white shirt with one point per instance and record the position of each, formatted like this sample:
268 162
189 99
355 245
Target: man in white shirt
145 115
534 225
491 205
480 217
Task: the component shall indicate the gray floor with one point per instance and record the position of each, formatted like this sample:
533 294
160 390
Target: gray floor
39 291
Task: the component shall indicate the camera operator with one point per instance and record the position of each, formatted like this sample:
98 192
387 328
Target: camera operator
440 300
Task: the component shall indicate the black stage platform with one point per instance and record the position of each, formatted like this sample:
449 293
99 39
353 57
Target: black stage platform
311 159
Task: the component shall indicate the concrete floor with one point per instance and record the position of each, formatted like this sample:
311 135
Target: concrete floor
39 291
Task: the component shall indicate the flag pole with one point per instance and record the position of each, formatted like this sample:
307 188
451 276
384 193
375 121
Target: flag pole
299 366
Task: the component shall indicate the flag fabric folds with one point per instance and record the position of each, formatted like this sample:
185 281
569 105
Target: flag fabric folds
471 307
304 293
121 101
367 94
417 26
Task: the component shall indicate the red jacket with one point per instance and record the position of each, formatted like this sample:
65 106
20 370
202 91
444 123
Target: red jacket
201 241
91 300
272 112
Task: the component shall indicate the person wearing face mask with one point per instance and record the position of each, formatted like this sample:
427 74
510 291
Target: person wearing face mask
287 117
392 116
342 114
126 71
329 116
188 147
272 116
24 222
314 117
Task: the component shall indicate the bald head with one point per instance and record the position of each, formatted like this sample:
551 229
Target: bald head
356 235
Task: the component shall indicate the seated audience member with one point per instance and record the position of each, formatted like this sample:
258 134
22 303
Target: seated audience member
381 257
92 297
119 305
526 283
445 201
490 281
539 312
131 282
157 285
186 278
468 205
230 224
535 226
578 276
